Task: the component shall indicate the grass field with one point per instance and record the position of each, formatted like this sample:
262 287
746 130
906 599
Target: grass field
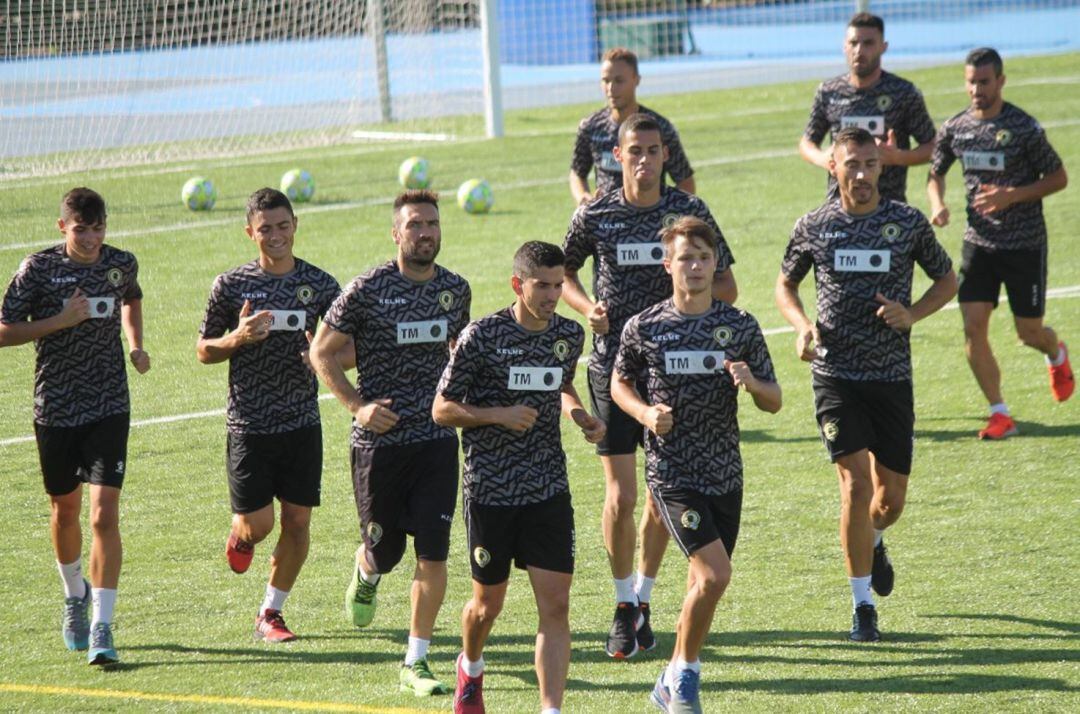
984 616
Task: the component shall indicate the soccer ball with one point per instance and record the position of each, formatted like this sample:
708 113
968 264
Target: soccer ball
298 185
198 194
414 172
475 196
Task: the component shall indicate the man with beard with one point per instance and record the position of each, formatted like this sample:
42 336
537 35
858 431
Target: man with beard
403 317
868 97
863 249
598 133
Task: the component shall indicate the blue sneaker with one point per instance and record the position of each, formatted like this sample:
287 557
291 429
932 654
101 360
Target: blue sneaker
101 646
685 696
76 627
661 695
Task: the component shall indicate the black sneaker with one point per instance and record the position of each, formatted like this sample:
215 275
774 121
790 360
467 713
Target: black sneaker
882 575
622 640
864 624
646 640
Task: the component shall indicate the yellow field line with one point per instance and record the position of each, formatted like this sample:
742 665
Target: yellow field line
203 699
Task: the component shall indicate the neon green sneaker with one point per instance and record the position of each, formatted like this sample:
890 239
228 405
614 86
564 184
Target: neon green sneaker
419 680
360 600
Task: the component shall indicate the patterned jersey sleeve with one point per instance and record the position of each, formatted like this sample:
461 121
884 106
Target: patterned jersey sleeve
463 314
818 125
757 357
724 258
463 367
920 125
929 253
943 157
582 162
134 290
218 318
1041 154
346 314
797 258
579 243
629 360
677 165
577 344
19 298
331 294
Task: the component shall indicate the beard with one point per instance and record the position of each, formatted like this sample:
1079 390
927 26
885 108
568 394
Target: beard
417 256
867 69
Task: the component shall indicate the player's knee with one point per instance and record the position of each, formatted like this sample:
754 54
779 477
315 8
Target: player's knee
1030 335
555 607
487 607
890 506
714 582
295 523
620 503
856 492
66 512
104 519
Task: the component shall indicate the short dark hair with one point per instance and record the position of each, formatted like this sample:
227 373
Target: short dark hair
535 254
83 203
866 19
639 122
985 55
267 199
853 135
691 227
621 54
416 195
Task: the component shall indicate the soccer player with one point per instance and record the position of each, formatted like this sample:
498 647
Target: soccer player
598 133
260 317
403 317
620 231
887 106
510 375
696 352
863 249
72 300
1009 167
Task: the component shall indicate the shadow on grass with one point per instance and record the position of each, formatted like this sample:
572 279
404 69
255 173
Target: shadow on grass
1027 428
757 436
1072 628
958 683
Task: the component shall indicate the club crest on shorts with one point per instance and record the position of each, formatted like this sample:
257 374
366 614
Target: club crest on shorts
114 276
561 348
304 294
831 430
722 335
481 556
890 231
375 532
669 219
690 519
446 299
1003 137
883 102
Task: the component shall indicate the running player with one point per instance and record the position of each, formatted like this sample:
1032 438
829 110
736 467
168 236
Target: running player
598 133
72 300
260 317
620 231
1009 167
696 352
863 249
509 377
889 107
403 316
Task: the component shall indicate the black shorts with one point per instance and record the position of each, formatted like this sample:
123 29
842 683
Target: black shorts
409 489
695 519
624 433
879 416
1023 272
539 534
264 466
93 453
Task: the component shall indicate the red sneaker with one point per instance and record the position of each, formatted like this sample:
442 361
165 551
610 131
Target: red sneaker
1061 377
270 627
1000 426
469 693
239 553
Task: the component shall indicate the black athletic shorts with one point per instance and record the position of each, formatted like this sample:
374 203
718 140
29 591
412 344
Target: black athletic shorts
624 433
879 416
1022 271
93 453
539 534
264 466
408 489
695 519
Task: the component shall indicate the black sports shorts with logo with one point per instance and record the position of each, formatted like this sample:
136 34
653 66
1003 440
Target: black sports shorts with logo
264 466
538 534
1023 272
94 453
854 415
695 519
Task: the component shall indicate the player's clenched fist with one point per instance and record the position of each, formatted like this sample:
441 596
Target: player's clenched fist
518 417
658 419
376 416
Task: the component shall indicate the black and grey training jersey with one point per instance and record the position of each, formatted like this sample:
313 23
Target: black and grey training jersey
80 375
402 331
1009 150
854 258
892 103
271 390
498 363
682 358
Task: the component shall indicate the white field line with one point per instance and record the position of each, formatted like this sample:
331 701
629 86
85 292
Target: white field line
1070 291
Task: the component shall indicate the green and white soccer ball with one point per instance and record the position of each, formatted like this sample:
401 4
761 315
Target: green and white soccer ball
298 185
475 196
414 172
199 194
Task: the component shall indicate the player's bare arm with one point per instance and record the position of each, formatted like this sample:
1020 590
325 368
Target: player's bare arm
935 192
657 418
75 311
994 199
687 184
447 412
814 154
579 188
901 318
724 287
572 408
574 295
791 307
892 155
766 394
250 329
346 356
131 319
325 355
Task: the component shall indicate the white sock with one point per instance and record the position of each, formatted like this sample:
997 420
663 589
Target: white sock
643 587
104 603
877 537
624 589
860 591
74 583
417 650
274 599
1060 360
676 664
473 669
369 578
999 409
550 710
